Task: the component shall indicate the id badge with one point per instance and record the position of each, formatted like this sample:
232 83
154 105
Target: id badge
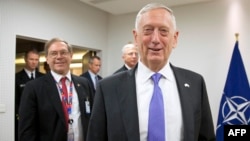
87 105
70 132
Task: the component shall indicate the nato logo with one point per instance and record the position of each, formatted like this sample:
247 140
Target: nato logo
236 110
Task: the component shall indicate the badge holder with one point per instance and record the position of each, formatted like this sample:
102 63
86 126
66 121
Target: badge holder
70 132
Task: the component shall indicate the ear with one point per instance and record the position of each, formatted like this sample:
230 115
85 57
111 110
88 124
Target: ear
135 36
175 40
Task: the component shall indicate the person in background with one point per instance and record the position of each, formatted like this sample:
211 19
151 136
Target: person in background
28 73
129 56
154 101
57 106
94 66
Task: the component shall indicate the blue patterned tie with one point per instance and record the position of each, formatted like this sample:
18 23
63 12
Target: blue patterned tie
156 123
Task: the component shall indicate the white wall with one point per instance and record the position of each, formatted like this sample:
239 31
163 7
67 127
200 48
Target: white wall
205 44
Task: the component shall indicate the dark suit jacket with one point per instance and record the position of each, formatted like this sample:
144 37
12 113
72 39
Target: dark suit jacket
87 75
21 79
115 114
123 68
41 113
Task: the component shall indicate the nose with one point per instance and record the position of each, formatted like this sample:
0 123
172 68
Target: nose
155 36
134 54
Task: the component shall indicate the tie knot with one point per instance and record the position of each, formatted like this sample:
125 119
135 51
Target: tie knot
63 79
156 77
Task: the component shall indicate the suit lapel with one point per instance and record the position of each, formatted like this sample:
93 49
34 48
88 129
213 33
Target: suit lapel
52 93
80 93
25 77
128 102
91 82
184 89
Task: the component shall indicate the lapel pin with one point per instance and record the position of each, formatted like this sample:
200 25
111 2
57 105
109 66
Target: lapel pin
78 85
186 85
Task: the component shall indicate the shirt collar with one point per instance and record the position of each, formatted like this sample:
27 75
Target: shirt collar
58 77
92 74
145 73
29 72
127 66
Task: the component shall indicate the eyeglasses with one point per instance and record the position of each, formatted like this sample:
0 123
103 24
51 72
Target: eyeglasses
54 54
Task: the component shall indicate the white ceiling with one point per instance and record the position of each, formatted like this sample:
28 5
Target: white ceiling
117 7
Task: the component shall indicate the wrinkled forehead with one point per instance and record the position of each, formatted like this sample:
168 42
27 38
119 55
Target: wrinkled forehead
59 45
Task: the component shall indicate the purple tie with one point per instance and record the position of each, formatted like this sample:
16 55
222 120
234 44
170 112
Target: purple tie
156 123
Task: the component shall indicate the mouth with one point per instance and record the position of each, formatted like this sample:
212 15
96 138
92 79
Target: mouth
59 63
155 49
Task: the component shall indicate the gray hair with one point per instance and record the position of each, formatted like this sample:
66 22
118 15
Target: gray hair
153 6
125 47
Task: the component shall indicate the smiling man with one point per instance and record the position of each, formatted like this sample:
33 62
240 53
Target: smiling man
56 107
155 101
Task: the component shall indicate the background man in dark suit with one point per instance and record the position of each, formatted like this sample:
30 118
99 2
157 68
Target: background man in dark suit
123 102
29 72
94 66
51 109
129 56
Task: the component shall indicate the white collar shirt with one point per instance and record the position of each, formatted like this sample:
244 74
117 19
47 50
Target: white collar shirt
93 77
127 67
172 106
29 73
75 115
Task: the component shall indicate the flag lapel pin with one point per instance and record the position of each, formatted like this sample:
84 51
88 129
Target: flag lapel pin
186 85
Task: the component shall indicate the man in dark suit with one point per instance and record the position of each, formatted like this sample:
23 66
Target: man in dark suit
129 56
29 72
94 66
57 106
123 101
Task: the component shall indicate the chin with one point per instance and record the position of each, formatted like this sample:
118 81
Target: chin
156 58
60 71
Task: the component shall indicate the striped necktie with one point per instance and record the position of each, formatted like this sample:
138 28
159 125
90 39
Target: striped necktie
65 93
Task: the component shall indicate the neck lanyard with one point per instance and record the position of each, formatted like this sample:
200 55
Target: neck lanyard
67 100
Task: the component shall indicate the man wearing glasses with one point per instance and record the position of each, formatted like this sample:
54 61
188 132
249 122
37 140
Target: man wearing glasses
57 106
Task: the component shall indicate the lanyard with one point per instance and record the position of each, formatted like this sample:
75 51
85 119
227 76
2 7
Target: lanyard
67 99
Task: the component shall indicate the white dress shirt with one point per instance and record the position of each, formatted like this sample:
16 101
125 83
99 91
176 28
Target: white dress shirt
29 73
172 107
93 77
75 115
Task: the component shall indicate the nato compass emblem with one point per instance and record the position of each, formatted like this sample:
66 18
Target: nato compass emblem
236 111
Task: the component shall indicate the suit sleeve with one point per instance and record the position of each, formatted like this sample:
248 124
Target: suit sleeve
206 128
97 125
28 115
